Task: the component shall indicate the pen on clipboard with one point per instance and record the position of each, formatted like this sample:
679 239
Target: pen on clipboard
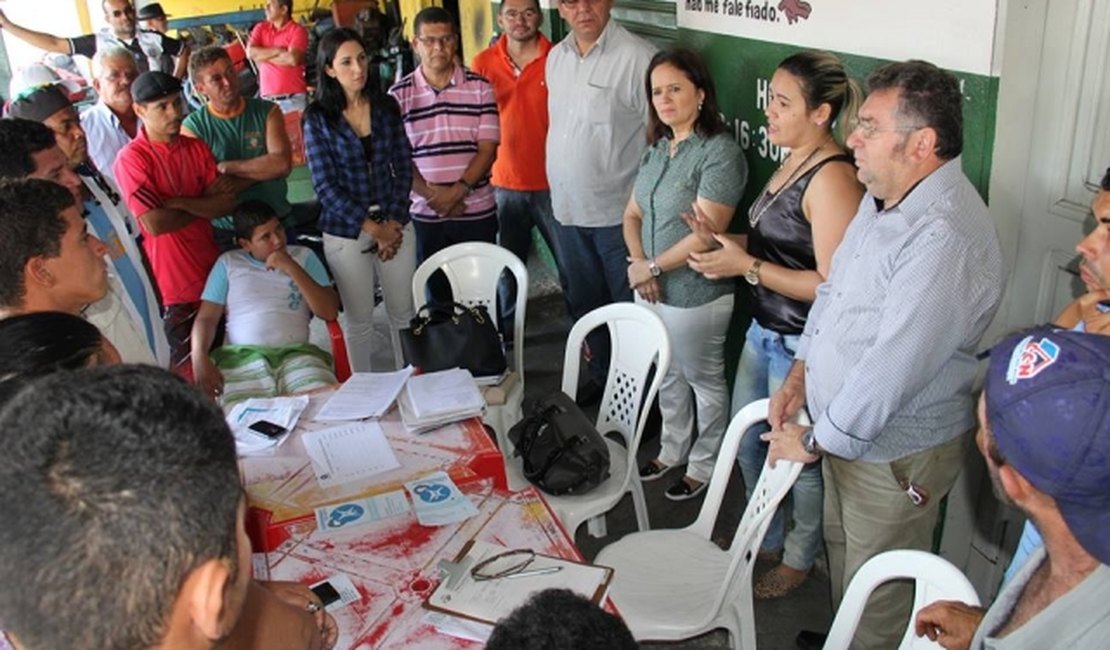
535 572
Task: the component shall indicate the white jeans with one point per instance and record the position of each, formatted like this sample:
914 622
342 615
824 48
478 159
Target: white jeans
354 275
697 365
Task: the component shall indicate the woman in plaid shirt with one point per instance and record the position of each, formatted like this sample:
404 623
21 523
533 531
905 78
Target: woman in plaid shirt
361 169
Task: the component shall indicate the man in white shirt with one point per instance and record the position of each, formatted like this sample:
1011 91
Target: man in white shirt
598 110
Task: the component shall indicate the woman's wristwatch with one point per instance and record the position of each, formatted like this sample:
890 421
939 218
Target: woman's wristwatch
654 268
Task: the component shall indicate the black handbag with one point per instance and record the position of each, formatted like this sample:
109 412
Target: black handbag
450 335
563 452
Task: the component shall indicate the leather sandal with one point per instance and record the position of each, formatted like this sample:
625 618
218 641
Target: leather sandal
778 582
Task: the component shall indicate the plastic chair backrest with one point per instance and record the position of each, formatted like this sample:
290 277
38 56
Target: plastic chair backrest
769 491
639 344
935 579
473 270
339 351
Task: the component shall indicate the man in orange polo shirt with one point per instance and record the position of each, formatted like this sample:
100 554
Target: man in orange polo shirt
514 65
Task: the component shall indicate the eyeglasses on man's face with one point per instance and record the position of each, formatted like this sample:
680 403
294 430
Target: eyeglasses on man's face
513 14
869 130
431 42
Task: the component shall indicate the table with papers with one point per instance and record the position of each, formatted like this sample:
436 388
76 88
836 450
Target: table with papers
393 563
285 486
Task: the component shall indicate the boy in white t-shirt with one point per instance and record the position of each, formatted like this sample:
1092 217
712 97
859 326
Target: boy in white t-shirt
269 293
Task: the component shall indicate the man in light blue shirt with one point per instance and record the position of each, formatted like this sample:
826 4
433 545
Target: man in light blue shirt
886 363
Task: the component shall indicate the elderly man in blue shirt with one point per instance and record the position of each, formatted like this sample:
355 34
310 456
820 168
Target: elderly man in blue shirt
887 360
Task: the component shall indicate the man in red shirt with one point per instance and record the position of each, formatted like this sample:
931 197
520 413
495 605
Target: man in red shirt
514 65
277 45
172 186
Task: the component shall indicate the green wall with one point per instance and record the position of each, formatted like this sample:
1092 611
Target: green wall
738 65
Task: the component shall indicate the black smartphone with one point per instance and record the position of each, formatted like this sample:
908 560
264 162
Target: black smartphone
268 429
326 593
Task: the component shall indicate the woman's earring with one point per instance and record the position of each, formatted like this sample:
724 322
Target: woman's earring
700 104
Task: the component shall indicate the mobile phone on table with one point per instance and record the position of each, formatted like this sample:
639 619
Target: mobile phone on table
326 593
268 429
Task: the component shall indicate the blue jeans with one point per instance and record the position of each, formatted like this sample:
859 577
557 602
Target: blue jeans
764 363
596 267
517 213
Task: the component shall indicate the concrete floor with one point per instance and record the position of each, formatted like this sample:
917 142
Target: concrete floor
778 621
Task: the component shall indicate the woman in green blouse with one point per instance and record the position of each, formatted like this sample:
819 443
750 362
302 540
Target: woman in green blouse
691 160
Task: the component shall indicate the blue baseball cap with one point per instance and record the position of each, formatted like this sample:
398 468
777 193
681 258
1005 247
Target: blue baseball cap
1048 406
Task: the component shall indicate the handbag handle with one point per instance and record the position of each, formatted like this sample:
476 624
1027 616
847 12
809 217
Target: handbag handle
446 311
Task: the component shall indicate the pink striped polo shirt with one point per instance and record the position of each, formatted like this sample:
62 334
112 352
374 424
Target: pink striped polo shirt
444 128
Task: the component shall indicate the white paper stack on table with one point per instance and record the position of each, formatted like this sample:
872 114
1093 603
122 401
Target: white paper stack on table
438 398
364 395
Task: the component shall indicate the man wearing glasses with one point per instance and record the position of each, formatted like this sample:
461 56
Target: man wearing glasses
147 48
886 362
450 118
515 66
598 111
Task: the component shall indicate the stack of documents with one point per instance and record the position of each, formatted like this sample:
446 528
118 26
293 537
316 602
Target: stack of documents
438 398
364 395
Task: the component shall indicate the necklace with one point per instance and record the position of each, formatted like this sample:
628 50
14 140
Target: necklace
766 199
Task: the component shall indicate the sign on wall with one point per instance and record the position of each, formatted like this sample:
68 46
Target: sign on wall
954 34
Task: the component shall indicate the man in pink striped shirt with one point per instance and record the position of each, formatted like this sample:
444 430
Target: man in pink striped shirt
450 116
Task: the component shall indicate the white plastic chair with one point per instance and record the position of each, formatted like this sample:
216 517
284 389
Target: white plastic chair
674 584
935 579
473 270
639 343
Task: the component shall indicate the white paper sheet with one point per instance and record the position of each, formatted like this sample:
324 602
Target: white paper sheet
349 452
459 627
282 411
341 516
364 395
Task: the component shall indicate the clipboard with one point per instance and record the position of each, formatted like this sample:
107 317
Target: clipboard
488 601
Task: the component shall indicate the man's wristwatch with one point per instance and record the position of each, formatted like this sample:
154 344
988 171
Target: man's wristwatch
467 186
654 268
809 443
752 276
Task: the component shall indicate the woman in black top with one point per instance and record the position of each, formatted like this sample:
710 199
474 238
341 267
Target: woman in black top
796 224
